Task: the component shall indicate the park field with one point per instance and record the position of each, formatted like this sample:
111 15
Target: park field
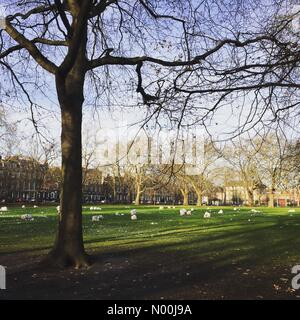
239 254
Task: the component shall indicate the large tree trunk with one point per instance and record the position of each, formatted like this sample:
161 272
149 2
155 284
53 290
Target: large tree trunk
271 199
138 195
199 200
185 194
137 199
199 194
186 199
68 248
138 189
250 194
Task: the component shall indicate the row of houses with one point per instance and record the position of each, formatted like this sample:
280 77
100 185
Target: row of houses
26 180
20 179
23 179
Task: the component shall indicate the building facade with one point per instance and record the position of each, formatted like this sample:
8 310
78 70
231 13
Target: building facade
21 179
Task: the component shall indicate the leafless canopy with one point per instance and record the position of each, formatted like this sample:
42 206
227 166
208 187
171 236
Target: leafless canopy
185 59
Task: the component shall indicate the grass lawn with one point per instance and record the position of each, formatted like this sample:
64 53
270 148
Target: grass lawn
237 254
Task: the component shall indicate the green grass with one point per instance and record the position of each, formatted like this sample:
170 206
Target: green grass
268 237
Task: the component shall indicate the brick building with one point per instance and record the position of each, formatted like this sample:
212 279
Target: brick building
21 179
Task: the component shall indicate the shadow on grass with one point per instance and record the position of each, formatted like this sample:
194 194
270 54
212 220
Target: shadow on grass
201 262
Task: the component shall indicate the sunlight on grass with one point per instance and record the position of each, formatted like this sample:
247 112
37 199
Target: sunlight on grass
272 234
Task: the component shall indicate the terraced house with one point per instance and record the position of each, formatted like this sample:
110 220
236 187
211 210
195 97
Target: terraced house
21 179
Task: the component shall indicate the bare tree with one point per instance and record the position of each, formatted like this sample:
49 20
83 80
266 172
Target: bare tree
292 179
204 170
141 175
90 152
138 167
184 186
8 134
293 164
185 59
272 162
241 155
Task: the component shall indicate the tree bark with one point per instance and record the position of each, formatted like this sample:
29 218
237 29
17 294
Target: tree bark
271 199
186 199
68 249
271 193
199 193
199 199
138 189
138 193
137 199
185 195
250 197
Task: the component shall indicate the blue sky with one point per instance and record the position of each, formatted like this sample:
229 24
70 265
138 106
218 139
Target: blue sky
118 109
